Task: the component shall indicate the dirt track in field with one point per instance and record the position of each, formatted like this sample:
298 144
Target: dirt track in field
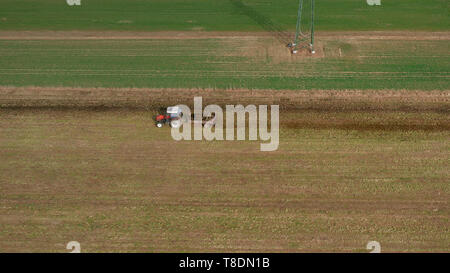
113 35
143 98
368 110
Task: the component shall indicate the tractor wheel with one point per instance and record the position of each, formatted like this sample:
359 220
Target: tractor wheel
176 123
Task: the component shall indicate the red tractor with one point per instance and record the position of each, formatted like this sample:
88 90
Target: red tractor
161 120
175 118
172 117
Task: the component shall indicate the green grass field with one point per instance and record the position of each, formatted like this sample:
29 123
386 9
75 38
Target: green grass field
220 15
239 62
243 62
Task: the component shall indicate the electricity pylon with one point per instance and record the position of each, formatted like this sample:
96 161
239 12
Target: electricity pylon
302 38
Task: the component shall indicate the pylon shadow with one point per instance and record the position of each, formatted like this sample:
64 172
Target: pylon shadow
263 21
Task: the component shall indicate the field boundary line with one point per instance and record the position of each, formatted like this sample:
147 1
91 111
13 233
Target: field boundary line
180 35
